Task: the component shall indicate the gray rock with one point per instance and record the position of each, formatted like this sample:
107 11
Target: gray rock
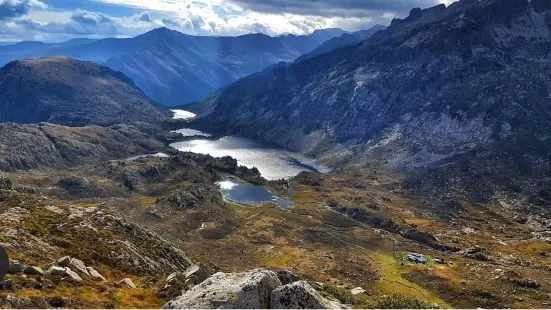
357 291
176 277
75 264
248 290
287 277
318 286
128 283
56 271
64 261
300 295
72 275
78 266
65 272
33 271
94 274
196 274
15 267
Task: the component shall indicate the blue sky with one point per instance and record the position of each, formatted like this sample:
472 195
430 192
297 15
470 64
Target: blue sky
60 20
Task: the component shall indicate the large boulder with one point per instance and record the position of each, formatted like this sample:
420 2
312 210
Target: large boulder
300 295
65 272
75 264
248 290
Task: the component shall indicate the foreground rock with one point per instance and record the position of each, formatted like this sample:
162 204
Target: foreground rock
300 295
249 290
255 289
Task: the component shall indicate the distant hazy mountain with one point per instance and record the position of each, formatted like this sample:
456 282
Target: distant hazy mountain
342 41
66 91
462 90
174 68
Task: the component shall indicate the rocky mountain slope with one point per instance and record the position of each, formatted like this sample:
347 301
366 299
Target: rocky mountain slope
174 68
463 90
71 92
47 146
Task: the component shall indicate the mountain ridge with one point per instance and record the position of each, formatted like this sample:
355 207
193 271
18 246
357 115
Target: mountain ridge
174 68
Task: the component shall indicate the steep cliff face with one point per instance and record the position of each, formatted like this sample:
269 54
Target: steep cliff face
440 84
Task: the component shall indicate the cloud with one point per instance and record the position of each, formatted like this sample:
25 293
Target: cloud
334 8
143 17
90 18
81 23
16 8
29 19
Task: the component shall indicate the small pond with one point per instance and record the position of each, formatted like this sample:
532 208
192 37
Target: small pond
239 191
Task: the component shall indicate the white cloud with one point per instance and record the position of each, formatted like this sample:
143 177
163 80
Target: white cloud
198 17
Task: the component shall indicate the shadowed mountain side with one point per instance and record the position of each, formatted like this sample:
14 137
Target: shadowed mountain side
442 84
71 92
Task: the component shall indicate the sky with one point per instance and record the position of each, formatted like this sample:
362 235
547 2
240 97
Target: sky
61 20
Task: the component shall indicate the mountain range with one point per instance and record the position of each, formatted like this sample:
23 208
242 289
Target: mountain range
174 68
458 91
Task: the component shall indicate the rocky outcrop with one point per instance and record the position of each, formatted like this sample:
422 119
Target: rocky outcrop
248 290
74 264
191 198
112 241
255 289
194 275
300 295
64 272
389 225
47 145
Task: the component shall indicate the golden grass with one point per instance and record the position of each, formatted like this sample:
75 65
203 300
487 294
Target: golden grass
145 201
